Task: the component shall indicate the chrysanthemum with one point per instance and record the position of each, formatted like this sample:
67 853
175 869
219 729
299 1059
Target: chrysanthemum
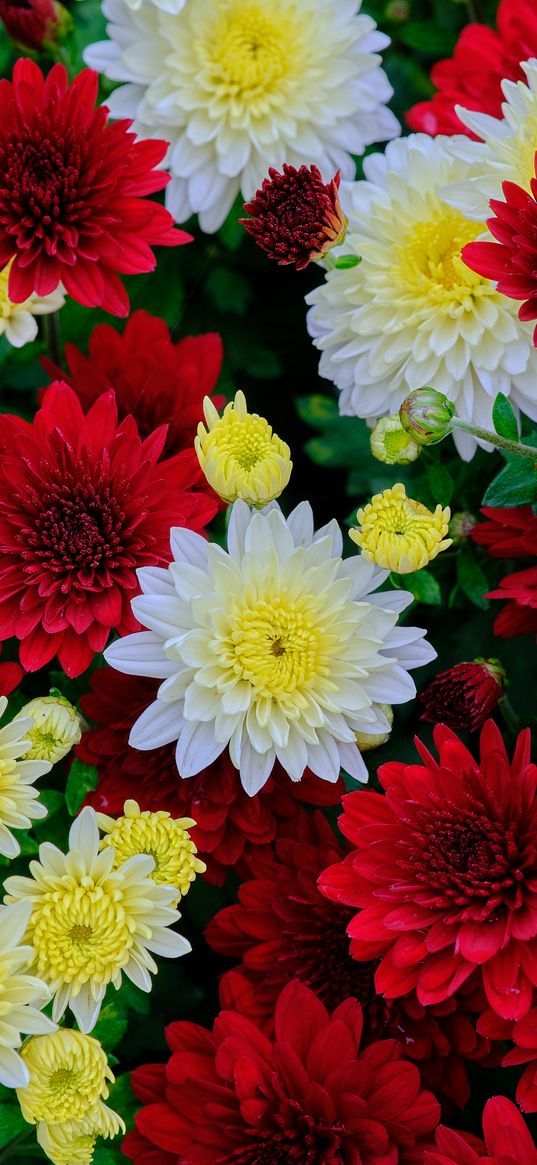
166 839
412 313
295 216
444 871
472 77
465 695
399 533
156 381
72 191
83 503
22 995
74 1141
68 1078
17 320
512 533
19 803
235 1095
522 1034
230 825
33 23
55 727
237 86
276 648
506 1139
91 923
391 444
240 455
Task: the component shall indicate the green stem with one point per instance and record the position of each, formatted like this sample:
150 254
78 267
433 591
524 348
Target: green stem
52 337
494 439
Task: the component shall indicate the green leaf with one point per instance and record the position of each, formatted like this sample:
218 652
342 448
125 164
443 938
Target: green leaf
422 585
12 1123
515 485
472 580
425 38
52 800
504 419
81 779
346 261
440 483
317 410
110 1027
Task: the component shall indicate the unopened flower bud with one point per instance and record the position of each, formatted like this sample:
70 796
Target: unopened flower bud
56 727
296 217
461 526
240 455
398 11
426 415
464 696
391 444
35 23
368 740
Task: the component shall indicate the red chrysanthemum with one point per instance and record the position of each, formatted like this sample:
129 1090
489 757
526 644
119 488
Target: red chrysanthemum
10 677
310 1095
283 929
445 873
72 191
507 1140
231 826
83 504
465 695
30 22
155 380
296 217
472 77
512 533
523 1034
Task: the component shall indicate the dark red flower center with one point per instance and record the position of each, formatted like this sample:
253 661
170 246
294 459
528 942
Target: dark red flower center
76 529
315 949
293 1138
42 177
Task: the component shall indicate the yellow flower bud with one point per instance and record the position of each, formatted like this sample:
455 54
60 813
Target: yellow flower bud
369 740
390 443
399 533
165 838
240 455
56 727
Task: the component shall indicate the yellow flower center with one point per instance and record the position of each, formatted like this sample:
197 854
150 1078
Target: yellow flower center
246 441
399 533
250 50
428 261
80 932
68 1075
162 838
276 645
240 455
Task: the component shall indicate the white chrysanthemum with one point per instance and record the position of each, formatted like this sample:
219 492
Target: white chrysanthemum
17 322
91 923
239 85
21 995
276 648
412 314
506 151
19 804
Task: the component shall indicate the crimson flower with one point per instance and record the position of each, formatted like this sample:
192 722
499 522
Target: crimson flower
72 191
523 1034
296 217
464 696
311 1094
507 1140
83 504
10 677
445 873
231 826
472 77
512 533
31 23
155 380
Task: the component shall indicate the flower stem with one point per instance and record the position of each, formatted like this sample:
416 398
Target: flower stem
494 439
52 336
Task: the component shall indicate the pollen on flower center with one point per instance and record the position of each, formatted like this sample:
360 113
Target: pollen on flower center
429 258
250 52
276 646
81 933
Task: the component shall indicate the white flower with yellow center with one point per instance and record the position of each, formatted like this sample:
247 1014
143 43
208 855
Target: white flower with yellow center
275 648
412 314
19 804
239 85
166 839
17 322
67 1080
91 923
73 1142
21 995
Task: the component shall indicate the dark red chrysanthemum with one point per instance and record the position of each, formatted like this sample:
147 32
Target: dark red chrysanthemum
10 677
155 380
296 216
523 1034
309 1097
231 826
464 696
511 261
31 23
83 504
72 191
512 533
507 1140
472 77
445 873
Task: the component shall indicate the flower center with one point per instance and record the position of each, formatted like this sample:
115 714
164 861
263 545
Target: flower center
315 949
250 50
62 1079
77 528
429 264
80 932
294 1136
43 178
276 645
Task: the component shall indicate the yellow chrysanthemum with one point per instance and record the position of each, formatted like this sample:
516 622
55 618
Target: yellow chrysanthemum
74 1141
17 321
19 804
164 838
55 729
399 533
390 443
240 455
90 922
68 1078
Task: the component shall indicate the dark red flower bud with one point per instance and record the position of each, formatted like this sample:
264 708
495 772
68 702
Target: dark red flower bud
31 23
464 696
296 216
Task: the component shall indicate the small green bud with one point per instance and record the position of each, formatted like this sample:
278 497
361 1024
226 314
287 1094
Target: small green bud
426 416
391 444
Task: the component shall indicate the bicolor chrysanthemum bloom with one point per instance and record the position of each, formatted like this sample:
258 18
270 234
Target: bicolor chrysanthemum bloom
56 727
17 320
398 533
391 444
90 923
22 995
73 1142
240 455
68 1079
165 838
295 216
275 647
19 803
237 86
412 313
